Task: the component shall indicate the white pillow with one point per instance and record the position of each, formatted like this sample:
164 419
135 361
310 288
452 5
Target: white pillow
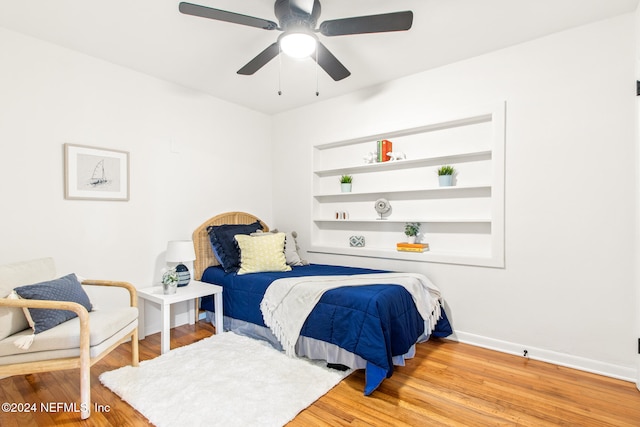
291 248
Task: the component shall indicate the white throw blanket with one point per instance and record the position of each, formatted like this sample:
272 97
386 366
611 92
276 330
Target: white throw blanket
287 302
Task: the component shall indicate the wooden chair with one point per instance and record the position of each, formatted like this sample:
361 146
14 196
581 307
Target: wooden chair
76 343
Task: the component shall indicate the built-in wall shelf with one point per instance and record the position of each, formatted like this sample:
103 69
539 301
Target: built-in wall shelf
460 191
463 224
429 256
404 163
404 221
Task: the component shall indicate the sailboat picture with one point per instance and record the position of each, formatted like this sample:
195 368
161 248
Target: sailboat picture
99 177
96 173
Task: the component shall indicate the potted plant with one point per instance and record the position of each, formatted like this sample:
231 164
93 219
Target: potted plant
411 230
445 175
170 281
345 183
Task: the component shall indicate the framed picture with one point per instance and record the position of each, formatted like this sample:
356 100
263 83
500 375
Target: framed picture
92 173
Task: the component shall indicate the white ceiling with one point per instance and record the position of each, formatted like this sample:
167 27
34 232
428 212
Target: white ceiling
152 37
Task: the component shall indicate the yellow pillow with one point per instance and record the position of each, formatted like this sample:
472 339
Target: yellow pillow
262 253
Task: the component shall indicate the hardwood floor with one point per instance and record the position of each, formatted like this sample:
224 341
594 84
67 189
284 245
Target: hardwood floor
446 384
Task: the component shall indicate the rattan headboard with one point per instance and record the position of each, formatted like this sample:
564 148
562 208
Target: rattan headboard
202 245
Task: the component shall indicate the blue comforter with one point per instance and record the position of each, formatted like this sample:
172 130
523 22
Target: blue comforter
376 322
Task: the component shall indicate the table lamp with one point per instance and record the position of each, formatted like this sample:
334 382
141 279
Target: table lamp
182 252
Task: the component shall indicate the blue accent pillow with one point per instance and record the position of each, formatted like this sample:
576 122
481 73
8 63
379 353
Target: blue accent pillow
224 244
66 288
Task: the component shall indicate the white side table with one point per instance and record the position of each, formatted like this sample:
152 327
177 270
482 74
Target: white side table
189 293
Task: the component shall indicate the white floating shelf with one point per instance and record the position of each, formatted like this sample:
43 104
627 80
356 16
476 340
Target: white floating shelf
406 163
377 194
428 256
402 221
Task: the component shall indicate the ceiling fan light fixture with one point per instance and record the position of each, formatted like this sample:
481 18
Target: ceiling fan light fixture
297 20
298 45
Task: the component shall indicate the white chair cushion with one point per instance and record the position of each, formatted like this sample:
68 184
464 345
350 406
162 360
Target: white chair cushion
103 325
13 320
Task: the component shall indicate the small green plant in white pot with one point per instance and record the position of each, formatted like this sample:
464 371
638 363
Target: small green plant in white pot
445 175
170 282
411 230
345 183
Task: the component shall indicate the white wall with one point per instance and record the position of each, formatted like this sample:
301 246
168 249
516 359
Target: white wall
50 96
567 292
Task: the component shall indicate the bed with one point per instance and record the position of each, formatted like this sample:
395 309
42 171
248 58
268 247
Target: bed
350 317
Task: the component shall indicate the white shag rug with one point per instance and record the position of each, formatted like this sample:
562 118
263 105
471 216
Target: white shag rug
223 380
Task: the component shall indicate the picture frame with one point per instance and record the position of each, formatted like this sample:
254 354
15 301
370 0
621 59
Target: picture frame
94 173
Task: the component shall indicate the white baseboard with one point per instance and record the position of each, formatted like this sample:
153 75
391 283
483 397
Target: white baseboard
576 362
624 373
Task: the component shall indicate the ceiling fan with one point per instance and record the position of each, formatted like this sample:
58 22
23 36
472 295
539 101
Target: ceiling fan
298 19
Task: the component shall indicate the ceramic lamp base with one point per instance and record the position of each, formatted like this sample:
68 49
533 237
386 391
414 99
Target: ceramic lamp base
184 276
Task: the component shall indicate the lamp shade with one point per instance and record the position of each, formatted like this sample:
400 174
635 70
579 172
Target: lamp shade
180 251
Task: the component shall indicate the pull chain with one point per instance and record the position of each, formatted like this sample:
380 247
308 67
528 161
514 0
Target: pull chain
279 70
317 67
280 73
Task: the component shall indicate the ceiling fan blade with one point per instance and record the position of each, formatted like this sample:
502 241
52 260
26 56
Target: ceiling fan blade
305 6
330 63
223 15
396 21
261 60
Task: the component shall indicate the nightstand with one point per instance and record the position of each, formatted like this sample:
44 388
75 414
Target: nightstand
189 293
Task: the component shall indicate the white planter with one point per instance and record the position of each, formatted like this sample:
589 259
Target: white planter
345 187
411 239
169 289
445 180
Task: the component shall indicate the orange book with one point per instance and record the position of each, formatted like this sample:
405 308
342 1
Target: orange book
387 147
412 245
402 249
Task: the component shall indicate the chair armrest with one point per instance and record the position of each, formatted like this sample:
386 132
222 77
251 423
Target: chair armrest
79 309
133 293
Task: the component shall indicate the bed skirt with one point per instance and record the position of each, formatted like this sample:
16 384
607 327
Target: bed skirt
310 348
